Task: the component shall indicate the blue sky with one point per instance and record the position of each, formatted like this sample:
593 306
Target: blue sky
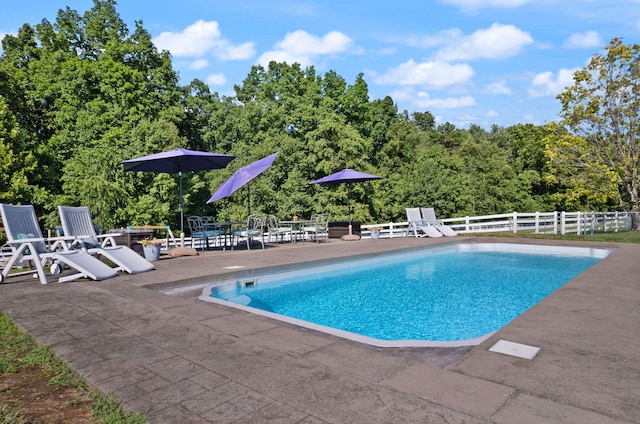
468 62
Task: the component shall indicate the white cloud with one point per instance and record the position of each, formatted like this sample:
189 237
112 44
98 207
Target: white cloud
424 101
201 38
495 42
499 87
545 84
239 52
403 94
492 114
427 74
472 5
444 37
301 42
584 40
302 47
199 64
216 79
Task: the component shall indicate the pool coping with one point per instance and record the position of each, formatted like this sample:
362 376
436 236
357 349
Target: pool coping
458 245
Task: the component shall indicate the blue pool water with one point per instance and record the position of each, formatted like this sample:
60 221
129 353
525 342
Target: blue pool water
458 293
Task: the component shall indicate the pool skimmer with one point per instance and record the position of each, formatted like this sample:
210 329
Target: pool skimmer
249 282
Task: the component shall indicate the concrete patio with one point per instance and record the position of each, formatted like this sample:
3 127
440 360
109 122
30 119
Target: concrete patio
188 361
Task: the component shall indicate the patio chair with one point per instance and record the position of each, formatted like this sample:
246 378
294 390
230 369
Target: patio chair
319 227
77 223
253 230
278 231
418 226
30 247
429 216
201 229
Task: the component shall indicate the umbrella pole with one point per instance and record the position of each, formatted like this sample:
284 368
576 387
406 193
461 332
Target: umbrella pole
180 206
350 236
349 203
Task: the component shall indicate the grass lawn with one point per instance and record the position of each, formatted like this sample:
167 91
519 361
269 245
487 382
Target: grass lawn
37 388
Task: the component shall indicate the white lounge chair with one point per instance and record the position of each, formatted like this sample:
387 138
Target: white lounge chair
429 216
30 247
77 223
418 226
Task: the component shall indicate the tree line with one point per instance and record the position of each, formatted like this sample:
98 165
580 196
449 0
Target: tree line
80 95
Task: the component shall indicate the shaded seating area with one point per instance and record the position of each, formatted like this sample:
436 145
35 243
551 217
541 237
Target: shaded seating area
207 233
77 224
31 250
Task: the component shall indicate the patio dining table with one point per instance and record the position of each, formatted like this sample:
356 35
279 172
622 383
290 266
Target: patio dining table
296 228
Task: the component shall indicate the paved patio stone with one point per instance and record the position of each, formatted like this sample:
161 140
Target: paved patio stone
524 409
477 397
188 361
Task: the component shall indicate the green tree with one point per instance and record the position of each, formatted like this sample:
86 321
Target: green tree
593 187
17 166
603 107
80 89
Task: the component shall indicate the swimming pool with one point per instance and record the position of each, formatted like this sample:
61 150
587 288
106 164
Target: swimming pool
451 295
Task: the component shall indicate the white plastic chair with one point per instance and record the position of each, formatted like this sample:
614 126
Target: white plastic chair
418 226
77 223
429 216
30 247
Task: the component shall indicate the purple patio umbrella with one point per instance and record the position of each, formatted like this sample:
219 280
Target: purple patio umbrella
177 161
346 176
241 177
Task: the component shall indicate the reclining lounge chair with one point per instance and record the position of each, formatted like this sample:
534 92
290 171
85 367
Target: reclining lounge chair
77 224
29 246
429 216
418 226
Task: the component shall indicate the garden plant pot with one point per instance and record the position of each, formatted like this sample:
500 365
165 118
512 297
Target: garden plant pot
151 252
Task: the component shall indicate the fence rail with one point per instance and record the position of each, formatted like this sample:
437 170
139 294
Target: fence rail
530 222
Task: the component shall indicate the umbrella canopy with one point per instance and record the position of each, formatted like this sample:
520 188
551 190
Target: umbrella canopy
177 161
241 177
346 176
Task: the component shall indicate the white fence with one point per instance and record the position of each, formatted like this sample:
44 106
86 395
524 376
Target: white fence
532 222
